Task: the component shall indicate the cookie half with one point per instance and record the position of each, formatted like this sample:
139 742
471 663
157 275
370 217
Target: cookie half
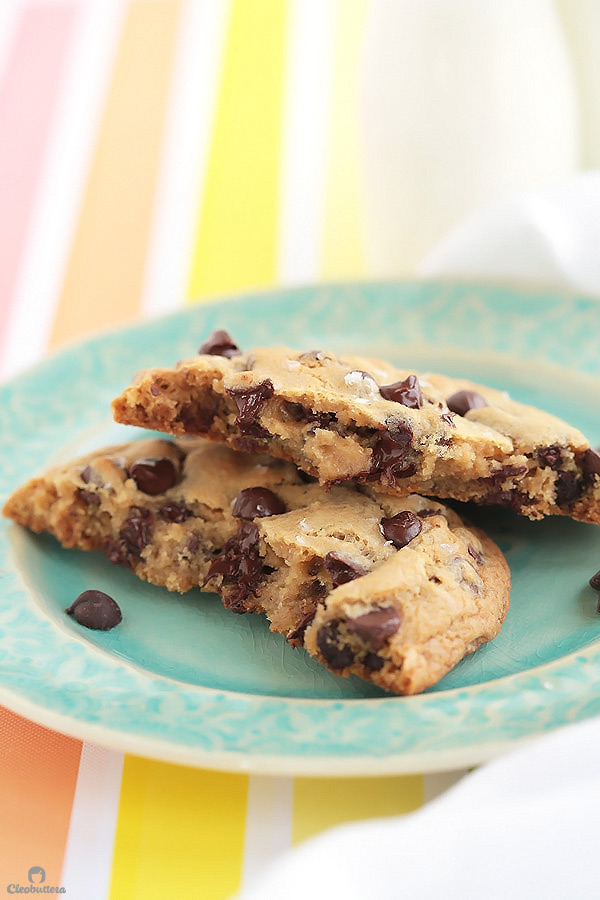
362 419
396 590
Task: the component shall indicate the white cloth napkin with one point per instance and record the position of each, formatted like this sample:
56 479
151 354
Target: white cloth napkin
526 825
546 238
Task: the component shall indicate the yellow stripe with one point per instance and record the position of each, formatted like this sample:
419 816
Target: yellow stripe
105 271
180 832
343 254
236 239
321 803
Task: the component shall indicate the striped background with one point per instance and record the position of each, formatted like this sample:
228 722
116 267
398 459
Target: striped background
155 153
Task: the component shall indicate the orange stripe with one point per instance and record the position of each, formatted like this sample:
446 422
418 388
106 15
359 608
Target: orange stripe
104 277
321 803
38 773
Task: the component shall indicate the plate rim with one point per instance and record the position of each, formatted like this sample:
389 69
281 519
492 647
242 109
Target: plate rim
264 763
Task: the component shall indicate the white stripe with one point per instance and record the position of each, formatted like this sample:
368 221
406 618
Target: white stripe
438 782
62 183
87 864
307 106
268 824
188 129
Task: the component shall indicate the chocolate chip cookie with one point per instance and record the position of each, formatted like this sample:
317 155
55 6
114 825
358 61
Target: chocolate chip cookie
362 419
396 590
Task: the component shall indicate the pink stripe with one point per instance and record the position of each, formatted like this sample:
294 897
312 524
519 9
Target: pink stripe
28 95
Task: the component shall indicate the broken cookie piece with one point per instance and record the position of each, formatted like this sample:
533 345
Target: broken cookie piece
394 589
362 419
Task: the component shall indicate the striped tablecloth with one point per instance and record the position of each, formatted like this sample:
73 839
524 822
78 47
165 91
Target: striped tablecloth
153 154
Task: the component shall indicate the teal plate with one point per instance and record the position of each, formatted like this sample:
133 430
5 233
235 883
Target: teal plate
184 680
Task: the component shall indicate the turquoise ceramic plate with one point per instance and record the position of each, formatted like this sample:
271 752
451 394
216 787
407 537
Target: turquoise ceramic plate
181 678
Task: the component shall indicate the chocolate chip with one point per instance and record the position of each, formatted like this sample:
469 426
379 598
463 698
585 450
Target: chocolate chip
591 463
257 502
595 581
153 476
550 456
115 553
514 499
389 454
296 636
196 420
401 528
373 662
172 511
375 627
136 531
240 566
193 544
95 609
337 655
407 392
461 402
315 565
87 475
89 497
504 473
219 343
566 488
250 402
475 554
342 570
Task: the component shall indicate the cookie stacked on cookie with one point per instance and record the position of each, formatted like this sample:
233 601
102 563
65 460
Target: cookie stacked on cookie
295 488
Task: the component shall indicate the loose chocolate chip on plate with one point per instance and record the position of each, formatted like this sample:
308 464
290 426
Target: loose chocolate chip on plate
257 502
401 528
219 343
153 476
461 402
595 581
407 392
95 609
342 570
375 627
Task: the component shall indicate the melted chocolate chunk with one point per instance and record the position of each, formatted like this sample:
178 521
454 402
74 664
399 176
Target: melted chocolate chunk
95 609
401 528
240 565
296 636
342 570
89 497
461 402
566 488
591 463
505 472
257 502
153 476
136 531
115 553
513 498
475 554
172 511
407 392
219 343
250 402
595 581
196 419
373 662
389 454
375 627
550 457
337 655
